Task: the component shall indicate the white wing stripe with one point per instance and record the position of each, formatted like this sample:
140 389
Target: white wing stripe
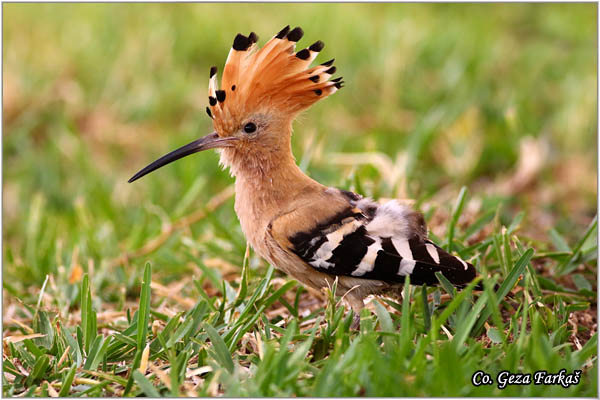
368 261
325 251
463 263
403 248
433 252
406 267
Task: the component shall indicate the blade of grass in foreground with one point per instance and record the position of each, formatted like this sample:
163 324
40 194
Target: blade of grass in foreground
448 287
143 316
84 310
458 207
462 332
438 321
426 313
566 266
505 287
144 384
405 332
144 309
66 385
222 354
450 308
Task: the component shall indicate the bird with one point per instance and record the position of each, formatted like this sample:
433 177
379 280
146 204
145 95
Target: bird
316 234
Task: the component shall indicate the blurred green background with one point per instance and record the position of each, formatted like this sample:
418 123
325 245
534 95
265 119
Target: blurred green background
498 97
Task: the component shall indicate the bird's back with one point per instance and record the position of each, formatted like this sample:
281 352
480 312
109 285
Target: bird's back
370 241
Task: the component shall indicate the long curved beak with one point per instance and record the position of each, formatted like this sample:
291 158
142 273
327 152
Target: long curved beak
210 141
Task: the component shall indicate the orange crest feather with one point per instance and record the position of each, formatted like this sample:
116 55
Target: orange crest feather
274 77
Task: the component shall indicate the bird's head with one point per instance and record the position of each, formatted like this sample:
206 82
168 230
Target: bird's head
262 90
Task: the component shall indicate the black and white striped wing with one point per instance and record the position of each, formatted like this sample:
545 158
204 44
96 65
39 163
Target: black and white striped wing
382 246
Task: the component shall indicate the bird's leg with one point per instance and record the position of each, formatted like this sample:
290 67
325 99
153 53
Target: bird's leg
355 322
356 304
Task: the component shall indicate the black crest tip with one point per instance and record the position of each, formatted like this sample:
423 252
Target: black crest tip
295 35
252 37
328 63
331 71
303 54
317 46
336 79
339 85
241 42
212 101
208 112
220 95
213 71
282 33
314 78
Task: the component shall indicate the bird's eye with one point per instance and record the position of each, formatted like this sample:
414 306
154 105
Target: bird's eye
250 127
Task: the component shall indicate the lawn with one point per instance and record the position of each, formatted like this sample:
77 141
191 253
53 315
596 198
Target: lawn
483 115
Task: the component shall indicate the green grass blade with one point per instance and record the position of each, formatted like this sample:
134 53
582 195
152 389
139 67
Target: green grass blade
568 265
516 222
452 306
42 324
406 304
222 354
456 212
83 304
181 331
92 323
279 292
559 242
463 330
499 252
143 316
384 317
506 246
71 341
508 284
66 384
479 224
144 308
514 274
448 287
39 369
144 384
587 351
96 344
41 296
426 312
241 295
99 355
405 328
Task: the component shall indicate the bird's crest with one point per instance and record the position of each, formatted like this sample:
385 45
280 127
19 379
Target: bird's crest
275 77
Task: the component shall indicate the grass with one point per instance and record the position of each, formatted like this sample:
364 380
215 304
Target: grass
111 289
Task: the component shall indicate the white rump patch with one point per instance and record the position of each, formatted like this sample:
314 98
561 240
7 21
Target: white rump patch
406 267
368 261
433 252
391 220
403 248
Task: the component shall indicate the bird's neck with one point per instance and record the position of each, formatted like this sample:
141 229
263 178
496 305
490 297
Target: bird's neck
264 187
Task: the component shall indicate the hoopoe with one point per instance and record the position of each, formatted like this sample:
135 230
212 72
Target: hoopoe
314 233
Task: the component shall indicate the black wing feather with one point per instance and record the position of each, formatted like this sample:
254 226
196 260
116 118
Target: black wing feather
347 252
